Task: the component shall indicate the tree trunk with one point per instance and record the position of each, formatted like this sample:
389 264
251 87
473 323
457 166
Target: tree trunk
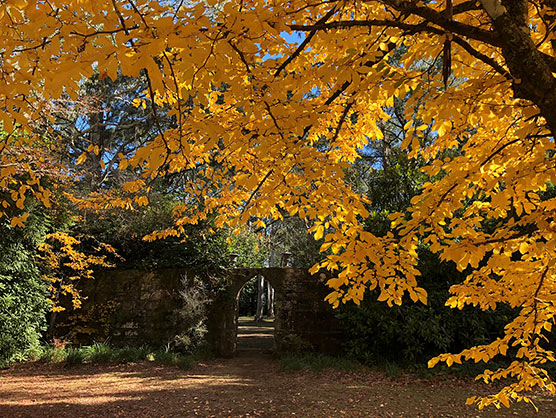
52 324
260 292
269 300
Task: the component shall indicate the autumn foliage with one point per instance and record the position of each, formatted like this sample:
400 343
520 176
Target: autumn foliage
271 103
65 264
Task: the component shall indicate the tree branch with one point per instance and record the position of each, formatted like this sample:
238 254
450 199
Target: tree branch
305 42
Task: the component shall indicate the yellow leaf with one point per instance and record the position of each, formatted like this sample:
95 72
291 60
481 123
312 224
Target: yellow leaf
81 158
319 232
502 397
19 202
19 221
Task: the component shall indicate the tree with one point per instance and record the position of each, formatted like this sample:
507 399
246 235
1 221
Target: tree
65 263
23 293
99 128
273 100
269 299
289 235
260 292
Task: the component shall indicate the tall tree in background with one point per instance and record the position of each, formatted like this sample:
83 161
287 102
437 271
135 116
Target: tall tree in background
269 300
260 294
99 128
267 124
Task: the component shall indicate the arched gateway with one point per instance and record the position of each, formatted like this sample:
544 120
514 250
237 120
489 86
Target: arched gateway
302 318
143 302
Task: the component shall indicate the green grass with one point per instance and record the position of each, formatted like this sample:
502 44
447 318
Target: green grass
316 362
53 354
101 353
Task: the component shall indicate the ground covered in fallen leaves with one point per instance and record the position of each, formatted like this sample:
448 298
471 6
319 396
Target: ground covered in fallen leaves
245 386
249 385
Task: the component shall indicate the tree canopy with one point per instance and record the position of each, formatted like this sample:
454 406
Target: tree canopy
271 102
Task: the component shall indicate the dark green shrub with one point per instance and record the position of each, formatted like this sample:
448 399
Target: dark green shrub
23 294
201 248
74 356
102 353
54 354
413 333
170 358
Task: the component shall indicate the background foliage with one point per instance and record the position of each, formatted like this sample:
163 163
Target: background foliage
23 293
411 334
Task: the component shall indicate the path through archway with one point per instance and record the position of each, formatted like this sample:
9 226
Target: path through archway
255 307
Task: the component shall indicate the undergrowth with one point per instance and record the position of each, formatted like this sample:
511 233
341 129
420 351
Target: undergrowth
319 362
316 362
102 353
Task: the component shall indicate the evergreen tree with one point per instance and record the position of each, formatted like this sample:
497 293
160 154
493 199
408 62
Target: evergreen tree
23 293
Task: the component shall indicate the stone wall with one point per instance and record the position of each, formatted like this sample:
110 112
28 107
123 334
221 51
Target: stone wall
305 320
144 304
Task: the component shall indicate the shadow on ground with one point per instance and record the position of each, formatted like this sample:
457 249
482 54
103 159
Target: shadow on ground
245 386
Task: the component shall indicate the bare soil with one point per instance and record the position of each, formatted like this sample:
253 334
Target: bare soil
249 385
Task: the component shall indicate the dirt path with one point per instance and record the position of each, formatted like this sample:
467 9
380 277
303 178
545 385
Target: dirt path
245 386
250 385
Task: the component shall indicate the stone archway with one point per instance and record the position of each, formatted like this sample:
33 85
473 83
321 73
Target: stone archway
222 322
303 320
